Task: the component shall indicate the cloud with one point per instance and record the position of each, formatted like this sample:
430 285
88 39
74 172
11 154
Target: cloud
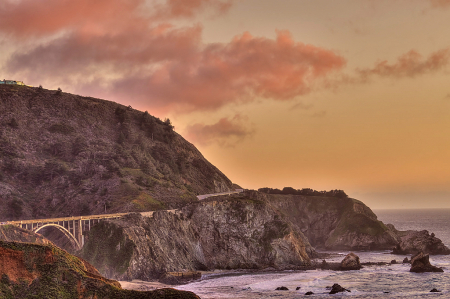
170 69
410 64
27 18
188 8
226 132
440 3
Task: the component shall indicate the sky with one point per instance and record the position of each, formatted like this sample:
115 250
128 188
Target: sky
323 94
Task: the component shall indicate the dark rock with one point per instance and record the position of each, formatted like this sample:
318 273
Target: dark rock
393 262
435 291
415 241
297 288
421 263
282 289
336 288
350 262
309 293
405 260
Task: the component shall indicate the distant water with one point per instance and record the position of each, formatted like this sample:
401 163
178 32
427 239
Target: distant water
393 281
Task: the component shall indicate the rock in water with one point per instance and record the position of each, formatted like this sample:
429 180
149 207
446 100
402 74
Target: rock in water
336 288
309 293
405 260
435 291
350 262
421 263
282 289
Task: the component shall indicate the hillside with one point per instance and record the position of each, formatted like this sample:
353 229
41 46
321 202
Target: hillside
66 155
45 271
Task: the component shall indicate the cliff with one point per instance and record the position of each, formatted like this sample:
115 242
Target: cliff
222 233
334 223
67 155
246 231
45 271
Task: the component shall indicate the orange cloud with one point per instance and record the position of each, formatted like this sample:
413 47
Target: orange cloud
440 3
188 8
226 132
409 65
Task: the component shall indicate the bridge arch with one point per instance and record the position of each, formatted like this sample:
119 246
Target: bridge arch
63 230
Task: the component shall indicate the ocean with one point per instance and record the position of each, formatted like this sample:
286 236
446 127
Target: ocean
391 281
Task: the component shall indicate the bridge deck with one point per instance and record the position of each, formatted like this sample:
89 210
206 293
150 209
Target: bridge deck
90 217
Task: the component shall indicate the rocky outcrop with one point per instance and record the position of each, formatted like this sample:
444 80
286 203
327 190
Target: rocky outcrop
348 224
336 288
350 262
13 233
335 223
421 263
415 241
215 234
45 271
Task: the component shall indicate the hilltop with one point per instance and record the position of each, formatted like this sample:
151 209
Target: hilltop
65 155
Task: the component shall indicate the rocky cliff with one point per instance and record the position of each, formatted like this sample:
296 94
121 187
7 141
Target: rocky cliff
334 223
45 271
67 155
223 233
251 231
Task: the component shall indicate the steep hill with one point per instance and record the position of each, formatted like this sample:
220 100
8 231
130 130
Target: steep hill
65 155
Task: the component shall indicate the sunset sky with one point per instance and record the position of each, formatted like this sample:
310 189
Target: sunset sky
322 94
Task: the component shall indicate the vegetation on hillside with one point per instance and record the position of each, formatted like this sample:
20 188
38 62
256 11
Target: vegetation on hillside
305 192
67 155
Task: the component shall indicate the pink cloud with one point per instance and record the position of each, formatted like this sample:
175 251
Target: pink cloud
116 49
226 132
410 64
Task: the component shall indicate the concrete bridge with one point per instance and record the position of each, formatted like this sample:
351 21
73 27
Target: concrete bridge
72 227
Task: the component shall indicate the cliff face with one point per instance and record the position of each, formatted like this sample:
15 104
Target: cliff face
247 231
217 234
67 155
45 271
334 223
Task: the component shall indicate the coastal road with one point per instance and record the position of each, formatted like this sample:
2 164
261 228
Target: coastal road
201 197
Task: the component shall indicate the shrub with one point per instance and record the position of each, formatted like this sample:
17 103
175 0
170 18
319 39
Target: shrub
13 123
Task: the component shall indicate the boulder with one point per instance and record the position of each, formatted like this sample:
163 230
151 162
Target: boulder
298 288
336 288
309 293
282 289
435 291
421 263
393 262
350 262
405 260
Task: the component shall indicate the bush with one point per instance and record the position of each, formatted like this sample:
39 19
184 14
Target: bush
13 123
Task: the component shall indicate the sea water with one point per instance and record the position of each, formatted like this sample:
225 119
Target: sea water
390 281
